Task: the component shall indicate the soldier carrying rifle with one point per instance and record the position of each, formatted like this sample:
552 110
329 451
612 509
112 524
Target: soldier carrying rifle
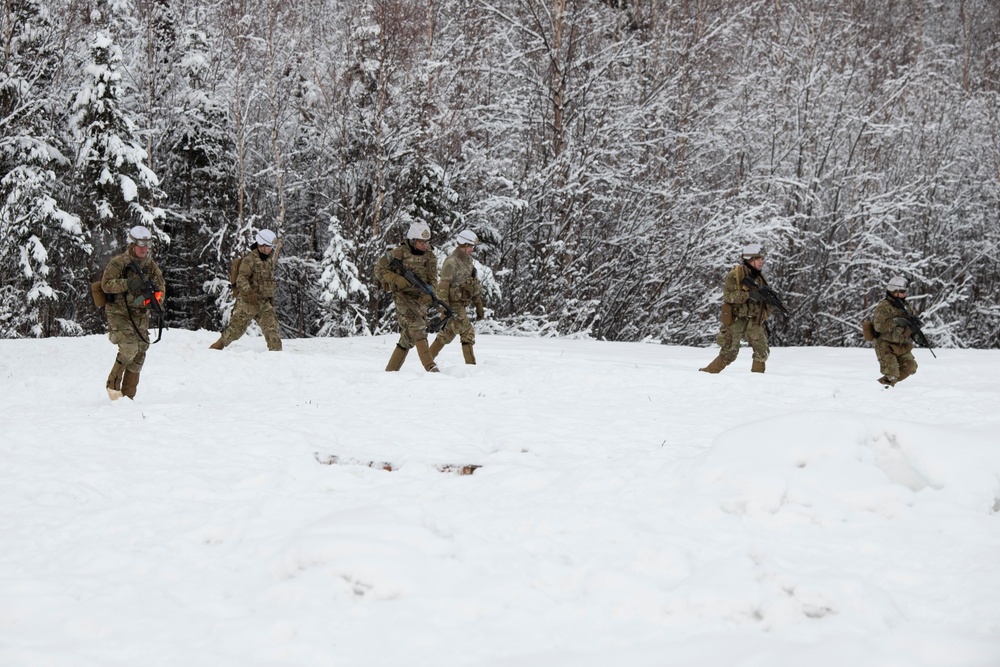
895 331
132 286
747 303
416 258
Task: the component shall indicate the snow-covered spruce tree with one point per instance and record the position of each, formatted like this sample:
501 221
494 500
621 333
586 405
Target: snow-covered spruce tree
344 294
197 159
115 187
37 237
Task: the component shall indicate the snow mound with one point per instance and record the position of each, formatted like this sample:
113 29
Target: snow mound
825 466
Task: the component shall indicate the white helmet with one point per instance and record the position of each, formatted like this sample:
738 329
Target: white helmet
896 284
467 237
266 237
753 251
419 231
140 236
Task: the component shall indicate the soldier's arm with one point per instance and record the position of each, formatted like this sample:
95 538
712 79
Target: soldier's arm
432 270
733 290
447 275
380 267
243 277
112 281
387 278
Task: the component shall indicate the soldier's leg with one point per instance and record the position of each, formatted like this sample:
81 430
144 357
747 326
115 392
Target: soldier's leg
114 383
130 380
267 318
243 313
404 345
727 354
756 335
467 335
413 325
907 365
729 340
887 361
128 347
397 358
444 337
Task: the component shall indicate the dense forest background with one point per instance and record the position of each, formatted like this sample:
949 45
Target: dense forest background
613 156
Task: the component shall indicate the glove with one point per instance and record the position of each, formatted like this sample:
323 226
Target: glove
900 322
755 296
399 281
134 284
252 299
480 315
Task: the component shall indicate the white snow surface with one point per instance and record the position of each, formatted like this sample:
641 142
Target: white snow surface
628 510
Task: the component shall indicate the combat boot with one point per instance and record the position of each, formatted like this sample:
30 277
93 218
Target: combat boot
114 384
888 381
757 367
436 347
129 382
218 345
470 356
397 358
716 366
425 356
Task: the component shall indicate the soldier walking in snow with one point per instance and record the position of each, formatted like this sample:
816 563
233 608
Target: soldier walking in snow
893 335
131 281
414 256
255 288
743 312
459 288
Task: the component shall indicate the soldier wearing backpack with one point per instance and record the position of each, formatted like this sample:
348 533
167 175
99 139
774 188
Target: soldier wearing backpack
893 336
126 284
414 255
255 287
743 313
459 288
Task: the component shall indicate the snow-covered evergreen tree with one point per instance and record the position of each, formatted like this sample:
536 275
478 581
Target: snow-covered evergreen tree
37 236
344 294
198 161
113 180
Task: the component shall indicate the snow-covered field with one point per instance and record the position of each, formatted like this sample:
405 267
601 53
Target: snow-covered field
629 510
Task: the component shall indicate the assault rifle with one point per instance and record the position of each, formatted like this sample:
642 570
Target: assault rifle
151 299
914 324
442 313
768 295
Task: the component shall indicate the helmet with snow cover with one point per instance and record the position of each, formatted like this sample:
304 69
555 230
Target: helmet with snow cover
896 284
467 237
419 231
753 251
265 237
140 236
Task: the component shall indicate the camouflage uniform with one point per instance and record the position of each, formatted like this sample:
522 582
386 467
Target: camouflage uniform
459 287
411 303
893 346
748 318
255 281
128 318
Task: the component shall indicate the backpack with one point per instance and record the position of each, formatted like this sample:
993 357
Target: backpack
100 298
868 329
